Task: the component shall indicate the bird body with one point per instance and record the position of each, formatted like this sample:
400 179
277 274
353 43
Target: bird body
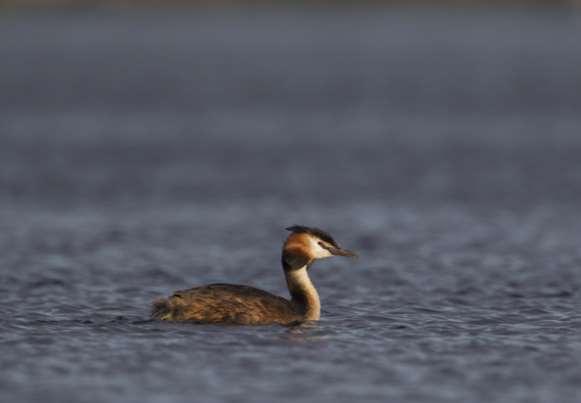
244 305
226 303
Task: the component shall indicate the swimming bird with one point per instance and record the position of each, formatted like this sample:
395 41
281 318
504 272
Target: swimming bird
244 305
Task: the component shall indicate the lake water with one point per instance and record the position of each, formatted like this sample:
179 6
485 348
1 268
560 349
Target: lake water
147 152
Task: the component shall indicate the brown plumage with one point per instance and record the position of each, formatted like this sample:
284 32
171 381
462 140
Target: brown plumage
244 305
226 303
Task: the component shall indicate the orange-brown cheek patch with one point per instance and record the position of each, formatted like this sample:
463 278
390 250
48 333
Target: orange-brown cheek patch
295 256
299 244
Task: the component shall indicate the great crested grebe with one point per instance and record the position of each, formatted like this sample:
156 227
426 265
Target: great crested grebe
243 305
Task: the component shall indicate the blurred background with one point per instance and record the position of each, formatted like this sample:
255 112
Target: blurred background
93 3
150 105
148 146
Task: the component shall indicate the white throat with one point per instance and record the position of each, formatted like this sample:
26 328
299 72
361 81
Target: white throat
303 293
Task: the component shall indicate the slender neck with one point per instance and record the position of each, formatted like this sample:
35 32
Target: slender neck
303 293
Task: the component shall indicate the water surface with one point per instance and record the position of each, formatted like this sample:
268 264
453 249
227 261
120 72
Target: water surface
146 153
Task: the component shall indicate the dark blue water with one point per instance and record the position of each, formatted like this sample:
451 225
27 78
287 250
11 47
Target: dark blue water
143 153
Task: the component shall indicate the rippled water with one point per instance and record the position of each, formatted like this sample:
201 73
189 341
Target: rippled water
143 154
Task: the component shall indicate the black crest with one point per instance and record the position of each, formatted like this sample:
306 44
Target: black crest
313 231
